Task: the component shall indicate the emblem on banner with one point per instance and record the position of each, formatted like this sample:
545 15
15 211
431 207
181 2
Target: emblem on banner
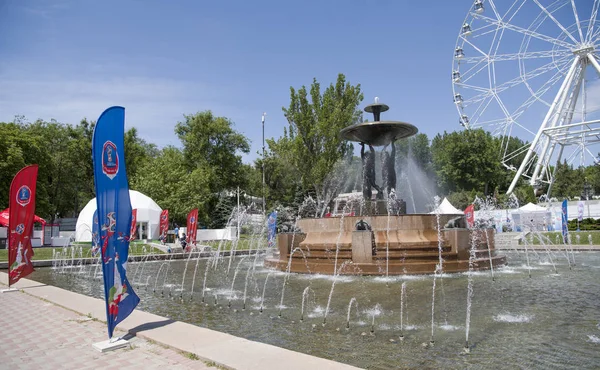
23 195
192 220
110 160
20 229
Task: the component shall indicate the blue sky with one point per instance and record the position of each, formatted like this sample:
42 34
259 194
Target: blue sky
70 59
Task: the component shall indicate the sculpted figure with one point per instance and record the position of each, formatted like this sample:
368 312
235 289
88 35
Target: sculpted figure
388 170
368 160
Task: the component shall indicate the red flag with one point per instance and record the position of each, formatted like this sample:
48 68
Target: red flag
192 223
133 224
22 209
470 215
164 223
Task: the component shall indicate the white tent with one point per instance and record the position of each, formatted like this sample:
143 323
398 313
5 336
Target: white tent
148 216
446 208
532 217
530 207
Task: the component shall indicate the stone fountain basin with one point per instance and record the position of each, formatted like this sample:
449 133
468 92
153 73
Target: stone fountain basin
396 245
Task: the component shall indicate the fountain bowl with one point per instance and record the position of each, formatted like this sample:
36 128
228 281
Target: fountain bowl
378 133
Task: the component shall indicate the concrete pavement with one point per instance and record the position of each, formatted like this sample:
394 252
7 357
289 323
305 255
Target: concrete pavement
61 333
35 334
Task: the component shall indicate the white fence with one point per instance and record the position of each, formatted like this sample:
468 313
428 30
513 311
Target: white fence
229 233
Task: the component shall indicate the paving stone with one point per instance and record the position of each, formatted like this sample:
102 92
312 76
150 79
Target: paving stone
39 335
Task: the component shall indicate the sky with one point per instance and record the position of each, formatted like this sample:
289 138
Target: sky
71 59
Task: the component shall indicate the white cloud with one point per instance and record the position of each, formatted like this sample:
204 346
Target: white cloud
153 105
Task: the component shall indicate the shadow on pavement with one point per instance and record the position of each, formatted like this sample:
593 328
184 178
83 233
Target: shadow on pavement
148 326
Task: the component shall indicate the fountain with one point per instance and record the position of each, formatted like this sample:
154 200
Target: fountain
380 238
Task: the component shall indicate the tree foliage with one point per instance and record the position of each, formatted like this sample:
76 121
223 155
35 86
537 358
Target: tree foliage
466 160
211 143
309 159
315 120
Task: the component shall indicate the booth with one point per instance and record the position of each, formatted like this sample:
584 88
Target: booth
37 237
532 217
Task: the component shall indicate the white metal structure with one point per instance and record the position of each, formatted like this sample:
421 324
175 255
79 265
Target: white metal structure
529 69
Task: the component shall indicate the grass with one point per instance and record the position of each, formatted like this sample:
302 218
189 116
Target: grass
136 248
192 356
214 364
551 237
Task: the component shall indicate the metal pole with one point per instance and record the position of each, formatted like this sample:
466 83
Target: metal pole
263 164
238 213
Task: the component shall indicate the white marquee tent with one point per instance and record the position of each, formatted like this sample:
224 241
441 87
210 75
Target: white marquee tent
446 208
532 216
148 216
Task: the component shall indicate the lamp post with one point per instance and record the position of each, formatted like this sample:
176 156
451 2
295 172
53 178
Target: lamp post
263 163
238 211
587 193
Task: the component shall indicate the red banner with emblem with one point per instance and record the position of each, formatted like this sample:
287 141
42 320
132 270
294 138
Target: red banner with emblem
22 213
470 215
132 233
192 226
164 223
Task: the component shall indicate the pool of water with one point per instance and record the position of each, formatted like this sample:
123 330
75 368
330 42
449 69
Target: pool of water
550 320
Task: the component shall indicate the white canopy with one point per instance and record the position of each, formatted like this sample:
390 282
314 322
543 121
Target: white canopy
530 207
148 213
446 208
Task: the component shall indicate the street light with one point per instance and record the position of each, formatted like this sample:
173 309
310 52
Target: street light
263 163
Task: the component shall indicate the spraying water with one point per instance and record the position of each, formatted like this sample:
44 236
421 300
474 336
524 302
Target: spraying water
184 271
262 300
470 288
287 275
337 273
233 280
305 294
352 300
402 305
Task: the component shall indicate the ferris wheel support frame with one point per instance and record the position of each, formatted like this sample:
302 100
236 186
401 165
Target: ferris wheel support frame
558 132
575 47
538 136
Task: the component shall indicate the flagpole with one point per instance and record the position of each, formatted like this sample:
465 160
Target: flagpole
263 164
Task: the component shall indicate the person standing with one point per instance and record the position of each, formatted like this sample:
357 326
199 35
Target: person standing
176 231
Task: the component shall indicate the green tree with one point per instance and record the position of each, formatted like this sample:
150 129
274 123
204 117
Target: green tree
313 134
18 148
466 160
137 152
166 179
222 213
211 143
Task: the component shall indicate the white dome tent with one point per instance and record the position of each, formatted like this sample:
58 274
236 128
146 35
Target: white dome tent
148 217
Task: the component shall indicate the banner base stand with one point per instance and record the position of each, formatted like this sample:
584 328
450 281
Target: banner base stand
110 345
8 290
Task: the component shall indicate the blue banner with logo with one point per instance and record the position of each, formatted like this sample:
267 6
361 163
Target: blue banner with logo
565 219
95 234
114 214
271 229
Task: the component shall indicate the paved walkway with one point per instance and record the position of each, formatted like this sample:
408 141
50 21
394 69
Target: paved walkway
35 334
46 327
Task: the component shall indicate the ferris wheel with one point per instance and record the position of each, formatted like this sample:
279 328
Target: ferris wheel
530 69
